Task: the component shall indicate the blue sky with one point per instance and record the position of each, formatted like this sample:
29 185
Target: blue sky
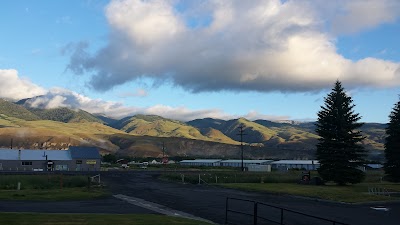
265 59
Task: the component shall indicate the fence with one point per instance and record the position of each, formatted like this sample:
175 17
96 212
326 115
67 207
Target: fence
240 211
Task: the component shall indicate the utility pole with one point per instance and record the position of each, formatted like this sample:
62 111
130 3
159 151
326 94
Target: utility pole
241 133
164 160
163 150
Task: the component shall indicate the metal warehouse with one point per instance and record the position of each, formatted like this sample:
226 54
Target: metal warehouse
73 159
295 164
201 162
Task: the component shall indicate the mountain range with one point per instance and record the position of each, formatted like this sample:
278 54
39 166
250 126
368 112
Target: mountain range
144 135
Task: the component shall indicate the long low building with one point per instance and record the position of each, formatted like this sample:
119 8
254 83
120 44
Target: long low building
255 165
74 159
220 162
246 162
201 162
295 164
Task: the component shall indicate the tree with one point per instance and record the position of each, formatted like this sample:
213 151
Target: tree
338 150
111 158
392 145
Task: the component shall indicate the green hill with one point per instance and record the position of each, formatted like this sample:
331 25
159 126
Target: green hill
106 120
13 110
65 115
255 133
156 126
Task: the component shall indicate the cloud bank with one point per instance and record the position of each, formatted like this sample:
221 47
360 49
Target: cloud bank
14 88
264 45
59 97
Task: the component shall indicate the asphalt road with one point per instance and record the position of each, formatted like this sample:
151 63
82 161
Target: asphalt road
209 202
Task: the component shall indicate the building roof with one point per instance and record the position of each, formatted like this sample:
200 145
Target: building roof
255 161
297 162
201 161
29 154
78 152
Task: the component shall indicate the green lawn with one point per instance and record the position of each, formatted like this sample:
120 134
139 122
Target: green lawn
351 193
286 183
89 219
77 193
48 188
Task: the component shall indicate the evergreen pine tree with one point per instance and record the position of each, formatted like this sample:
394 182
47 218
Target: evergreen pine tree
392 145
339 151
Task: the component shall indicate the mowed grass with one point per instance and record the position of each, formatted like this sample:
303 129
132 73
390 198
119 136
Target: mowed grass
211 177
286 183
54 194
89 219
48 188
352 193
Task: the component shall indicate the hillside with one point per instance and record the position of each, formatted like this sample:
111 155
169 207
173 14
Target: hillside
156 126
65 115
54 135
13 110
142 134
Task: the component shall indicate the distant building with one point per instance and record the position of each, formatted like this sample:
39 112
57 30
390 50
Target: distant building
246 162
259 168
227 163
201 162
73 159
295 164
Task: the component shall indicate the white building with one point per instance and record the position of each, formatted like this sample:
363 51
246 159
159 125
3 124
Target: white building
246 163
295 164
201 162
259 168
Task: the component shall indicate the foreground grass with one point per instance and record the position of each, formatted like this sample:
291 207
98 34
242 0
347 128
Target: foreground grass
352 194
48 188
89 219
54 194
286 183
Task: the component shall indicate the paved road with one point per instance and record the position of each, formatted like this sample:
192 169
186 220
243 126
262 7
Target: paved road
209 202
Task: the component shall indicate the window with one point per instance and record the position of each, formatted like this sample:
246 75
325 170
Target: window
26 163
78 161
62 167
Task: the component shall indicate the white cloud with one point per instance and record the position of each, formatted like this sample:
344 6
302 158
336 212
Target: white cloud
264 45
14 87
358 15
254 115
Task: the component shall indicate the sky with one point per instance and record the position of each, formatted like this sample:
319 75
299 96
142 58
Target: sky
191 59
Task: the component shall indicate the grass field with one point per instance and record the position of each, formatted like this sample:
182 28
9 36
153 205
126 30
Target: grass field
212 177
48 188
89 219
287 183
352 194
